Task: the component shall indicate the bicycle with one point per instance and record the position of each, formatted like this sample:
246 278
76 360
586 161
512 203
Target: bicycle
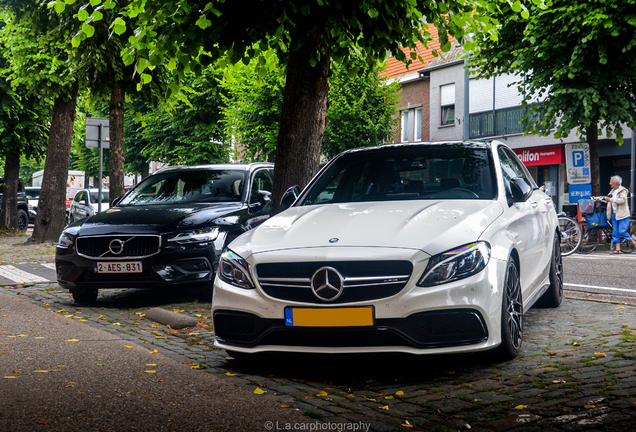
571 234
592 237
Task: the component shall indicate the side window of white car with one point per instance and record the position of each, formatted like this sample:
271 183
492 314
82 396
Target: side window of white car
507 168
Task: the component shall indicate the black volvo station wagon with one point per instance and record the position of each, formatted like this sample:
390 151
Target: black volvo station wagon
167 231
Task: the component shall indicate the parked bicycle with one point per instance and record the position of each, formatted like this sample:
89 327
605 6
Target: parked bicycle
596 229
571 234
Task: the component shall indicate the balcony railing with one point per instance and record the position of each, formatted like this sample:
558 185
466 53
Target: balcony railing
498 122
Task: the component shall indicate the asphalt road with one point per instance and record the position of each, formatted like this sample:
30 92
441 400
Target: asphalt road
601 276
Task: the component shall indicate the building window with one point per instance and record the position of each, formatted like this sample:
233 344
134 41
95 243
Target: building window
405 126
418 124
447 98
411 125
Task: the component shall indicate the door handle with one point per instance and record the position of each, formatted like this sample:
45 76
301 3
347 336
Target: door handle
534 204
548 199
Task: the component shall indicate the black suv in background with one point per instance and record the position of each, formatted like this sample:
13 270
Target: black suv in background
23 205
168 231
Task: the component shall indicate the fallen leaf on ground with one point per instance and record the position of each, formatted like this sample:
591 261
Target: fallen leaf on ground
388 397
558 382
259 391
151 371
154 351
621 307
518 407
322 393
399 393
600 355
226 373
129 347
386 407
10 377
589 406
72 340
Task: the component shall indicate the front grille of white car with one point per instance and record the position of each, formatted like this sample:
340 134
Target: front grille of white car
362 280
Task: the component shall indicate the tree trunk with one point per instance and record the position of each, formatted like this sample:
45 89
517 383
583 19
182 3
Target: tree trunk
303 118
51 216
9 211
116 124
591 134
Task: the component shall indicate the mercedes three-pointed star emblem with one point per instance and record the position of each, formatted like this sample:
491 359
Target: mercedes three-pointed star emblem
327 284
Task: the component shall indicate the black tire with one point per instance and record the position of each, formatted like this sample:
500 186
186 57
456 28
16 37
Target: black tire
23 220
511 315
589 239
553 297
87 296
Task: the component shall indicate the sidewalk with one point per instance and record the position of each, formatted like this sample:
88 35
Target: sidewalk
59 374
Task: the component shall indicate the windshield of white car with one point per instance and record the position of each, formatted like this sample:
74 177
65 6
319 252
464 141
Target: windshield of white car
95 196
435 172
33 194
188 186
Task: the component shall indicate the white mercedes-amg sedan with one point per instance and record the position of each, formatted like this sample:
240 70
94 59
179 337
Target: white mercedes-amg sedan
424 248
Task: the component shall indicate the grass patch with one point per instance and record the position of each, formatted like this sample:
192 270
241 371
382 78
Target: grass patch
313 415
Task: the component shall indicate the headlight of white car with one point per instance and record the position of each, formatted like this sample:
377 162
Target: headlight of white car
235 270
456 264
196 236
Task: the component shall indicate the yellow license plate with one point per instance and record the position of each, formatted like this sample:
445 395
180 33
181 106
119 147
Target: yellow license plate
329 317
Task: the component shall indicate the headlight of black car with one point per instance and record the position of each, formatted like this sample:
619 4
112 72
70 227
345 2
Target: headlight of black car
456 264
235 270
196 236
67 238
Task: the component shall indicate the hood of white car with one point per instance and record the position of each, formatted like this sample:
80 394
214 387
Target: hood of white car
430 226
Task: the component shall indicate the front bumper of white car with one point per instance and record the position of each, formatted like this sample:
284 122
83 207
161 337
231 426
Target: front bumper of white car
460 316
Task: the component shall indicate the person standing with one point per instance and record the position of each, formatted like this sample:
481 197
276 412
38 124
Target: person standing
618 213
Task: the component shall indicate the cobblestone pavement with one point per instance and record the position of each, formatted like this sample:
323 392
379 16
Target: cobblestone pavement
576 370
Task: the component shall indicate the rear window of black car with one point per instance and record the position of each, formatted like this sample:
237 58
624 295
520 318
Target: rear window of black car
434 172
188 186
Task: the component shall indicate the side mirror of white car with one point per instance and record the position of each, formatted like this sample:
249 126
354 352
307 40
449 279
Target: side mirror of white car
520 190
289 197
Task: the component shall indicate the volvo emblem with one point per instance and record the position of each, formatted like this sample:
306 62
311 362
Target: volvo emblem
327 284
333 240
116 246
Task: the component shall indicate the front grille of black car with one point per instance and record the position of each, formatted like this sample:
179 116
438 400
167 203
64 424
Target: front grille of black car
362 280
135 246
434 329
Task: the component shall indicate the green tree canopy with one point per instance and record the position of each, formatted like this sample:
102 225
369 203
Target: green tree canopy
361 106
578 57
184 132
186 35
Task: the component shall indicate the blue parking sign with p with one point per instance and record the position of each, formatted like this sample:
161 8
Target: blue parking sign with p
578 158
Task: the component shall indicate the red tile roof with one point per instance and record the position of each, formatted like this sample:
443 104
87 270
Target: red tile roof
395 68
